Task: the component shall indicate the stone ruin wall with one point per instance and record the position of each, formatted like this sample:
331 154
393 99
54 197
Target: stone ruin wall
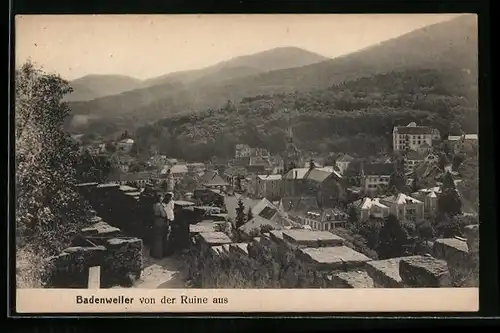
103 243
452 263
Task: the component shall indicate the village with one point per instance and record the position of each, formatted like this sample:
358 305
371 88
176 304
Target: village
292 220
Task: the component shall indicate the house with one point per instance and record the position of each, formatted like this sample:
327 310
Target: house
253 227
233 176
404 207
321 219
124 162
242 150
158 160
138 179
429 197
411 137
267 186
412 159
196 167
343 162
368 207
376 176
315 163
325 184
211 179
167 179
466 143
125 145
424 149
179 171
290 204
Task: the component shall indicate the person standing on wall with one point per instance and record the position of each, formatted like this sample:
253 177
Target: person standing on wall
159 228
168 204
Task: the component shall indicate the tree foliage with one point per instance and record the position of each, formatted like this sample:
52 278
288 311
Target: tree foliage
49 211
392 239
240 213
449 203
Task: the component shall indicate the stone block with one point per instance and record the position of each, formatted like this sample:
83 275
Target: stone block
424 272
123 261
332 258
239 248
472 236
311 238
353 279
214 238
385 273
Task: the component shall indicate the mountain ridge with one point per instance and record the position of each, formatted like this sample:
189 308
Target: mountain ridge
450 45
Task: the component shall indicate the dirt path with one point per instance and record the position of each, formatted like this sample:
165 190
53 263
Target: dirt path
161 273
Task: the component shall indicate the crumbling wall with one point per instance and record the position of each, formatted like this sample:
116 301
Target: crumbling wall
120 259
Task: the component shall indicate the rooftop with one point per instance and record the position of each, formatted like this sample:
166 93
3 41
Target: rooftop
299 204
367 203
400 199
269 177
335 257
312 238
378 169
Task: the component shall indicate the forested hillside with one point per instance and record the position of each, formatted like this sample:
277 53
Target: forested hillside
356 117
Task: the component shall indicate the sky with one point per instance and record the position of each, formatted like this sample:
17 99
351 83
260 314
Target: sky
145 46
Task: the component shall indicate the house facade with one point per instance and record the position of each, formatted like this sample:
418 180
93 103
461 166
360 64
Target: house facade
325 184
412 159
321 219
267 186
404 207
465 143
368 207
125 145
375 176
412 137
343 163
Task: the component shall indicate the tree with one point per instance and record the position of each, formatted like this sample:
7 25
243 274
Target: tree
353 215
449 203
397 183
49 211
240 213
448 227
448 182
392 239
92 168
110 147
249 214
443 161
457 161
311 164
425 231
415 184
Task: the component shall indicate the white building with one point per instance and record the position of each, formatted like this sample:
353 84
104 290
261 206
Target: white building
267 186
404 207
412 137
368 207
376 176
125 145
463 143
343 163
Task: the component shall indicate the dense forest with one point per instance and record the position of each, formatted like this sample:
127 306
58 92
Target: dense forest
355 117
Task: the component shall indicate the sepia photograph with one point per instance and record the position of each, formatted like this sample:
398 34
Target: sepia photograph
173 161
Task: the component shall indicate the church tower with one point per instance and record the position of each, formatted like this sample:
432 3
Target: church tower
292 154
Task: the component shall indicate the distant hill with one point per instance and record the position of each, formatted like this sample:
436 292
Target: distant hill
94 86
450 46
274 59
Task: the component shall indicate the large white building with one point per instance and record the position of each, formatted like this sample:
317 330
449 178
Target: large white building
412 137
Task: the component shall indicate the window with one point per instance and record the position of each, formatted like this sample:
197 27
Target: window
327 225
